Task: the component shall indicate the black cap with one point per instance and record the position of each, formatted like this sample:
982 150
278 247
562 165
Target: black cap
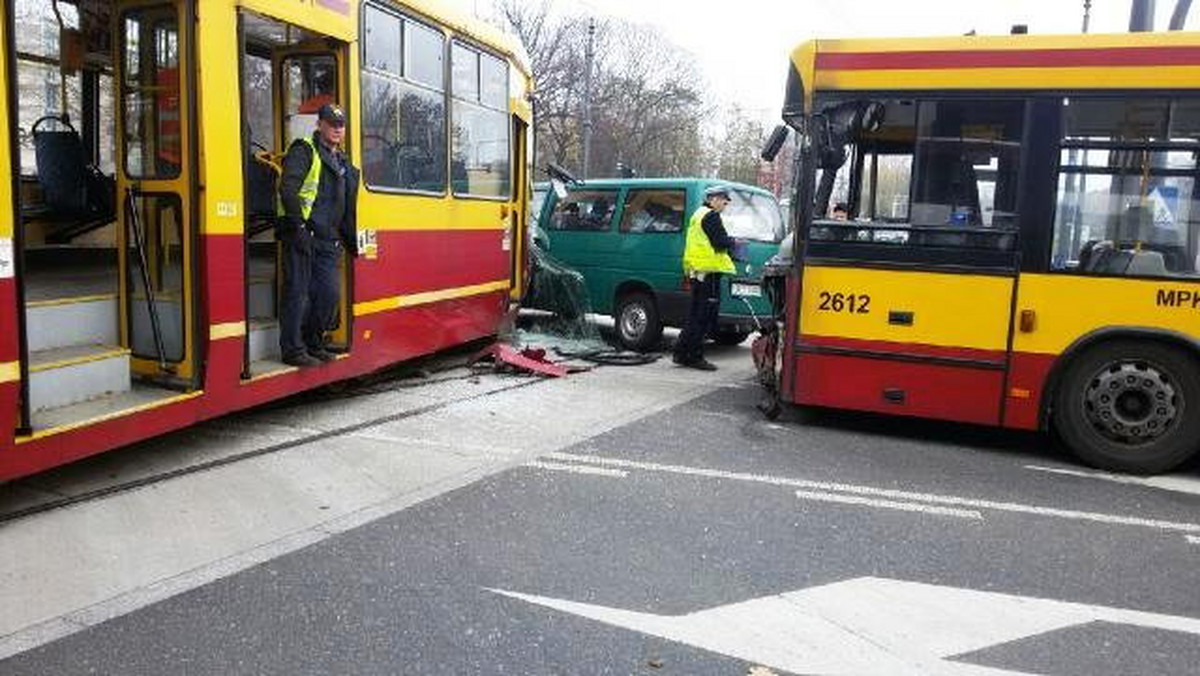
332 114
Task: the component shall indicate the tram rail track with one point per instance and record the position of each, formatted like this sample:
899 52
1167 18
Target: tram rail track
369 389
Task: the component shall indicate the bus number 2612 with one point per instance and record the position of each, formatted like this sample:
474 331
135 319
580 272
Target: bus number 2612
850 303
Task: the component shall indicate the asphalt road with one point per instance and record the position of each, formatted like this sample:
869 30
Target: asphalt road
705 540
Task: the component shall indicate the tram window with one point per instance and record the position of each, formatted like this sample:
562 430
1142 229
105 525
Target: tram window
382 40
151 102
424 56
465 73
40 94
39 83
107 133
404 111
585 210
311 82
259 100
481 155
1126 207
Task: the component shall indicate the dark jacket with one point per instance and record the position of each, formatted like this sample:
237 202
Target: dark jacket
335 212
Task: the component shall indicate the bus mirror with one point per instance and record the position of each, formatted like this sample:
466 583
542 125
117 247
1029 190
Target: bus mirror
872 118
775 143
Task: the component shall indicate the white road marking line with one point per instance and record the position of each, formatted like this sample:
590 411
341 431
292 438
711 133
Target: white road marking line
1194 539
578 469
1179 484
889 504
1016 508
867 626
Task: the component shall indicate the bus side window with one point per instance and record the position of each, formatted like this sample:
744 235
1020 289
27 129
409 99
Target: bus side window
1123 209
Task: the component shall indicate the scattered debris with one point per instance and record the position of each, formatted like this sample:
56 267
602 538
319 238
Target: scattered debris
528 360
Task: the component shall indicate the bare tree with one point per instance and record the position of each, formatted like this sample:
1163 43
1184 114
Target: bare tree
646 109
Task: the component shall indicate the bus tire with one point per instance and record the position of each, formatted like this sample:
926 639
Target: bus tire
1130 406
639 327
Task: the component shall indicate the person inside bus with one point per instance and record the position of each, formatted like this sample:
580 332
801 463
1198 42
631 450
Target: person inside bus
707 254
317 200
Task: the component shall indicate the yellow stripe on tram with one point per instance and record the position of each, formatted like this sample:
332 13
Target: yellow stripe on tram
226 331
10 372
427 298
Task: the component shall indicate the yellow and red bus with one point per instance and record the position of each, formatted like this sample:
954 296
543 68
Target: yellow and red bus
138 267
1023 240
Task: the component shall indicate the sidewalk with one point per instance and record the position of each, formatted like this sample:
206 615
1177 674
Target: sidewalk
68 569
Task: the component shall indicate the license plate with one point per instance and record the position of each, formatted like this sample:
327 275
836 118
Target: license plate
746 290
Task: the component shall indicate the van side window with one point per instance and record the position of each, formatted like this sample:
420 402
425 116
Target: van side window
586 210
649 211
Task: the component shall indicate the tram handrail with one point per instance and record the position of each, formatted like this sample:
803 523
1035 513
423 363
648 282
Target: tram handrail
144 263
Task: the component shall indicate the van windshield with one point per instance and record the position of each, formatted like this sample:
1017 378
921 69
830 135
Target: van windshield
754 217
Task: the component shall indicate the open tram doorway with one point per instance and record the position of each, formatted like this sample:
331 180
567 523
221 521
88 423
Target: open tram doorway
287 74
106 190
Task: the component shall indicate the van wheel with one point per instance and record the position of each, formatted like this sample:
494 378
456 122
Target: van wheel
730 337
638 325
1131 406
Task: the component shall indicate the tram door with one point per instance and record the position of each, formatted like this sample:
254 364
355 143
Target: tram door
309 76
155 190
520 220
288 73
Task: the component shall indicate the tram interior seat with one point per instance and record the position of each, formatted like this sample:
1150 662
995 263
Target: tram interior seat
75 192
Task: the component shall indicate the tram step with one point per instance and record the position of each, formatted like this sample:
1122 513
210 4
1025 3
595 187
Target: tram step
264 340
70 375
262 297
71 322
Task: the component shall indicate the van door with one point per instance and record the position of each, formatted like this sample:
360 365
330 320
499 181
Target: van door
582 237
653 224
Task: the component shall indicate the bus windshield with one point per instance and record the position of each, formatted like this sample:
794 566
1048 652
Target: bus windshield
753 217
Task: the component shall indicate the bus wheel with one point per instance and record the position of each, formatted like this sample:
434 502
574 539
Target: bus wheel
1131 407
638 325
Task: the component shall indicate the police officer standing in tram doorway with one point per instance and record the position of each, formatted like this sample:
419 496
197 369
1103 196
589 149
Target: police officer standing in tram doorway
317 222
706 256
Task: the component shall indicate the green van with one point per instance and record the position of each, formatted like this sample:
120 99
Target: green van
626 236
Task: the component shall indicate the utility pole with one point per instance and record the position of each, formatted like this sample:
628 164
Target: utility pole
1141 16
589 57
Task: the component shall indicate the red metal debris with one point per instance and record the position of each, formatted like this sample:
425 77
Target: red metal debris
530 360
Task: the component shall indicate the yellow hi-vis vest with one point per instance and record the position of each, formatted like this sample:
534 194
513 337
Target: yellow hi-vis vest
308 189
698 253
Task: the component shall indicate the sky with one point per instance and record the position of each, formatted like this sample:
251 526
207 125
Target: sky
742 45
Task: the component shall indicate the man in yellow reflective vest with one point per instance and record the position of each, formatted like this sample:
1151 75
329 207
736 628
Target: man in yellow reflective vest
706 257
316 223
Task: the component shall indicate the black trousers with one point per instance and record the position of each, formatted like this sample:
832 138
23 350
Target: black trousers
311 295
702 318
